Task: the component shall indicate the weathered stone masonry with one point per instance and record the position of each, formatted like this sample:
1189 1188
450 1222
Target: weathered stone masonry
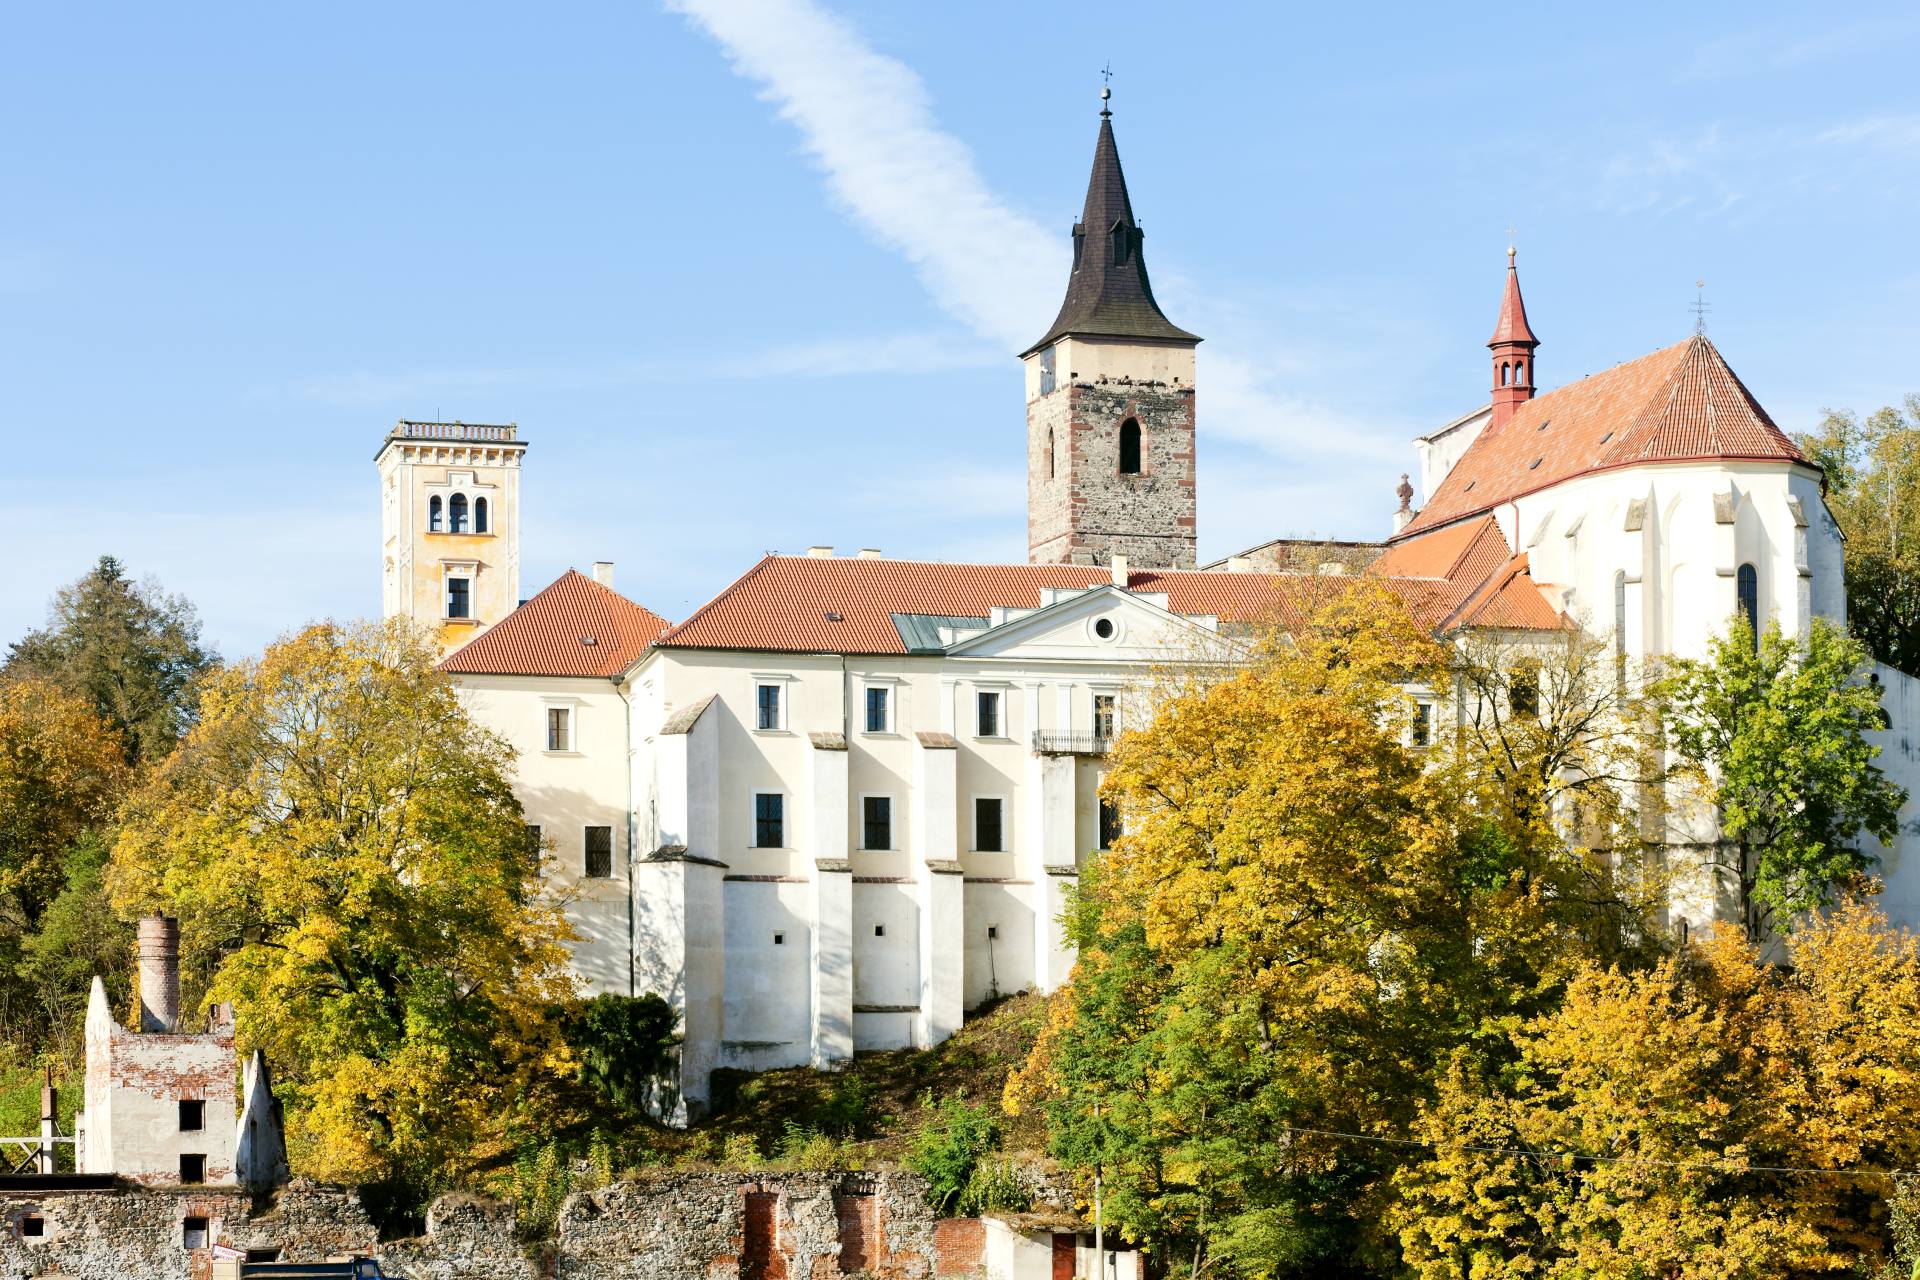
1086 511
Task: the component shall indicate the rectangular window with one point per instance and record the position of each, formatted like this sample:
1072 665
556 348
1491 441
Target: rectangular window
1422 724
599 852
987 714
1109 823
193 1229
533 834
193 1115
877 718
33 1225
1047 374
987 837
193 1168
876 822
457 602
767 706
769 820
1105 721
559 728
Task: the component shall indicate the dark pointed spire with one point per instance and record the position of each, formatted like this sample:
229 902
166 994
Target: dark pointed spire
1108 295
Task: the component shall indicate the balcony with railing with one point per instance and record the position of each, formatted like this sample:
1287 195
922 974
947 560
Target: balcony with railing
1071 742
464 432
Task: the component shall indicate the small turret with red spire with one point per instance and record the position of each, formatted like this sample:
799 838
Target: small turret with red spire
1512 345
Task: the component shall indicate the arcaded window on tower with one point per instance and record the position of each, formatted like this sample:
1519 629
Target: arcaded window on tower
457 513
433 514
479 515
1130 447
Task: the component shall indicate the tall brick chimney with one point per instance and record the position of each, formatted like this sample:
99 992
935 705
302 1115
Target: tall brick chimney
159 973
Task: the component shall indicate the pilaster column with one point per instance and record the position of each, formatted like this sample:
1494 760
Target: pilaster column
1051 860
831 952
939 888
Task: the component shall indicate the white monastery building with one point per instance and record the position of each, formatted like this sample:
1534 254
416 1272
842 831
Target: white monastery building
840 805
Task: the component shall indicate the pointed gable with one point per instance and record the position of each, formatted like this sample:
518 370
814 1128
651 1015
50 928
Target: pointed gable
575 627
1679 404
1466 553
1108 294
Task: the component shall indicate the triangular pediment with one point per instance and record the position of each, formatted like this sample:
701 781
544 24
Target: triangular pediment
1098 624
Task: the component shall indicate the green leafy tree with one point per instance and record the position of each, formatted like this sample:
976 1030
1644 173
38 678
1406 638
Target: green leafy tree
948 1151
1778 732
128 648
350 867
1872 468
625 1044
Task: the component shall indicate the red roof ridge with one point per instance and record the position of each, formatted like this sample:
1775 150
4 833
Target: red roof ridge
729 589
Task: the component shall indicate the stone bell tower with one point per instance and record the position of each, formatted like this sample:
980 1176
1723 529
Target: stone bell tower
450 525
1110 424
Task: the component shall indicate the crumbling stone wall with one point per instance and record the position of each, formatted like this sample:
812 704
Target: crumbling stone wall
1089 512
668 1226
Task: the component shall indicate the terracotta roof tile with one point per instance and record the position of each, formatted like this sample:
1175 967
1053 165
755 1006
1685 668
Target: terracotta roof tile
1678 404
801 604
547 636
1465 553
1508 599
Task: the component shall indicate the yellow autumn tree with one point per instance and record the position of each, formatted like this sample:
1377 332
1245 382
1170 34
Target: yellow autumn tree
343 847
62 770
1713 1117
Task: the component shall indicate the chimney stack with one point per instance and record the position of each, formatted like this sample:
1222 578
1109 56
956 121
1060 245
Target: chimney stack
819 553
159 973
603 573
1120 572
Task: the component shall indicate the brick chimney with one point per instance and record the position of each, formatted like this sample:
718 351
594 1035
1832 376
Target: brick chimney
159 949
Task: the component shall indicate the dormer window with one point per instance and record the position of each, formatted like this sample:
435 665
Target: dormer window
1122 243
1079 246
433 514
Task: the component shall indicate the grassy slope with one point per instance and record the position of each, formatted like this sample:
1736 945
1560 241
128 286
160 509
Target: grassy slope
877 1101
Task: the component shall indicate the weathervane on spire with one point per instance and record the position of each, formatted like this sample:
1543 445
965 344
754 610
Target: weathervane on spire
1106 90
1700 308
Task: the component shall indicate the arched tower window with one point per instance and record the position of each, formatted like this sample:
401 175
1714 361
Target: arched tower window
1747 586
1506 374
433 514
457 513
1130 447
1049 453
1519 372
479 515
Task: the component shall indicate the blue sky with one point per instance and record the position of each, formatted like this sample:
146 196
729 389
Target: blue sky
751 275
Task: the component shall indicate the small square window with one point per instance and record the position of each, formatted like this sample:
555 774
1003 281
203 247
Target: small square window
459 603
767 707
193 1230
193 1169
879 931
193 1115
33 1227
879 705
559 728
987 713
599 846
993 931
769 820
779 939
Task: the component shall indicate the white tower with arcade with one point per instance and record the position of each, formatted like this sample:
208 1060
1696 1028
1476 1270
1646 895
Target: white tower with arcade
450 525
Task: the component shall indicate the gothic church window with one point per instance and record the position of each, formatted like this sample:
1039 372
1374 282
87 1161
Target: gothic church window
479 515
1747 586
433 514
1130 447
457 513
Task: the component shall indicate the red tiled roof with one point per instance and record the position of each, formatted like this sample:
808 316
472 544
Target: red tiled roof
802 604
1679 404
1509 599
547 636
1464 553
1512 329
